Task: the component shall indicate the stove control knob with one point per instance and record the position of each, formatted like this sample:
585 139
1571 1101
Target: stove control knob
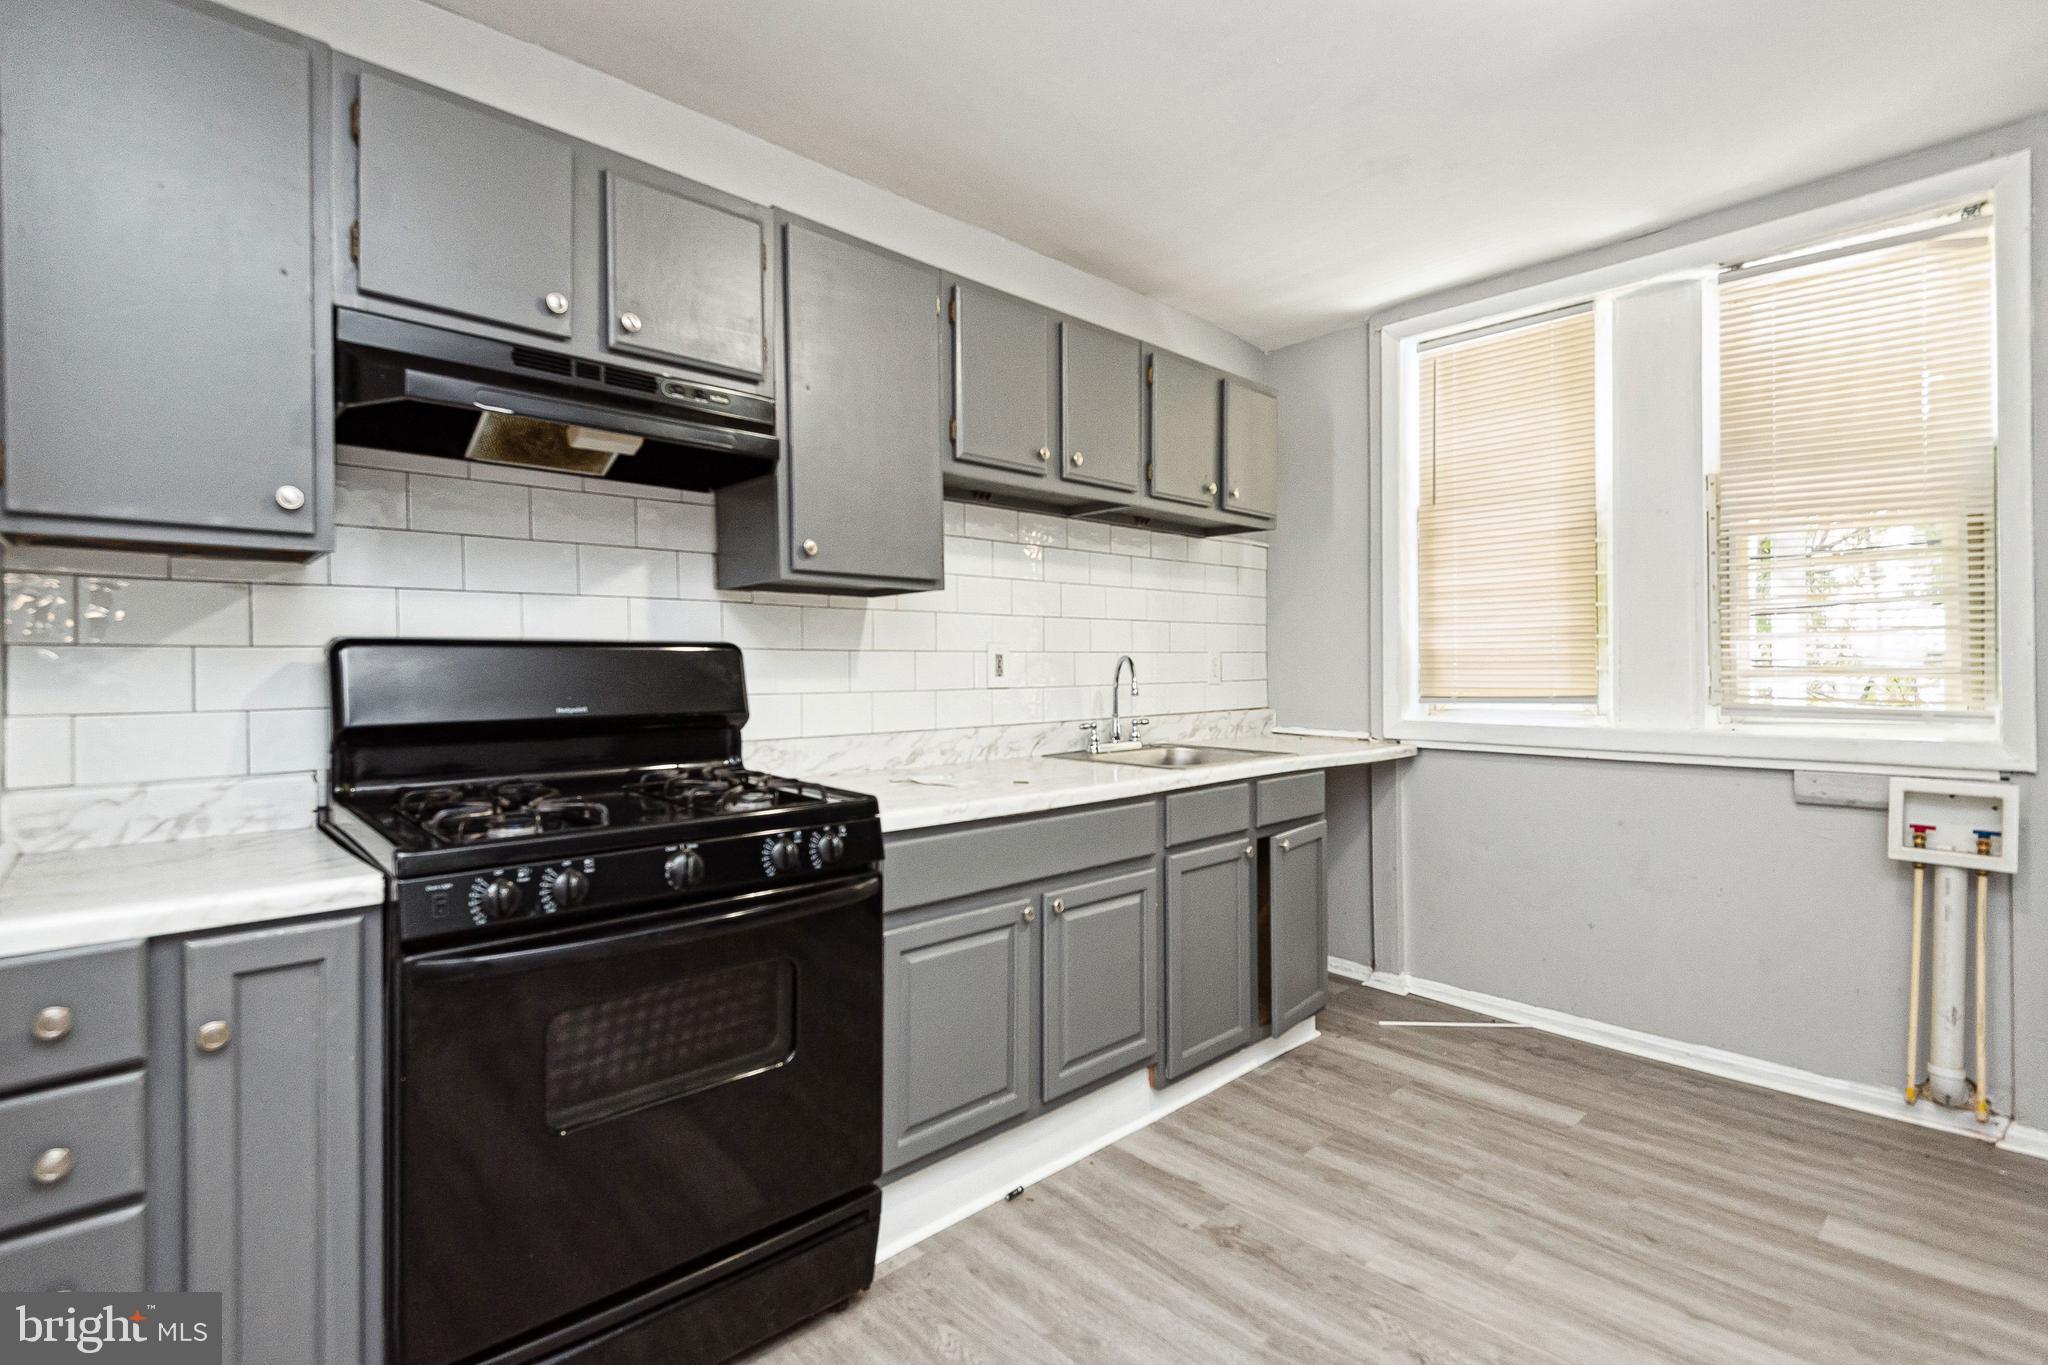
831 848
567 887
501 897
785 854
684 870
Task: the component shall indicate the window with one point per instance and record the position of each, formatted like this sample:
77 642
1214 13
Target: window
1758 495
1507 526
1855 541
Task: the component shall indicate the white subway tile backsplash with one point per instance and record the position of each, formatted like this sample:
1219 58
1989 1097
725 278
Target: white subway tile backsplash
52 680
159 748
585 518
471 507
304 614
287 741
372 557
38 751
186 673
258 679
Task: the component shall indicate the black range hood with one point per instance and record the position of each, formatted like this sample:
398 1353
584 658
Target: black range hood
404 386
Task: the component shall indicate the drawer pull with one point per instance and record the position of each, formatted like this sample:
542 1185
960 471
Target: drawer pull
52 1166
52 1025
214 1035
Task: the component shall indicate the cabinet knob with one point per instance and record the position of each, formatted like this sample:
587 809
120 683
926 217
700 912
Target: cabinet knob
1030 913
53 1024
1251 850
1059 906
1210 489
1079 459
556 302
810 549
1234 494
51 1167
1286 845
629 322
1045 452
214 1035
290 497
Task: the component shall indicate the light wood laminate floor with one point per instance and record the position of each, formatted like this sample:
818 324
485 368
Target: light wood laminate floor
1451 1195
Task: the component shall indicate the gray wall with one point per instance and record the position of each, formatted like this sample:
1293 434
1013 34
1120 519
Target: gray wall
1695 902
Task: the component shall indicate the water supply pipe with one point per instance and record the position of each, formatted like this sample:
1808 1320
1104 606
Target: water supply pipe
1984 837
1913 992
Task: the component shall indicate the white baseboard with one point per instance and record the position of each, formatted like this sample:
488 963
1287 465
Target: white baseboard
1734 1066
932 1199
2026 1140
1349 970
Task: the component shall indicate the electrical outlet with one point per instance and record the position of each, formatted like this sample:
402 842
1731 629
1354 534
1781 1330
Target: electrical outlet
1004 667
1215 667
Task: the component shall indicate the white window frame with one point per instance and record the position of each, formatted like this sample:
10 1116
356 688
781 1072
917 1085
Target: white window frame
1658 416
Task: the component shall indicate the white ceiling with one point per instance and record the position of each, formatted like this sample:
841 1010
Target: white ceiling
1283 167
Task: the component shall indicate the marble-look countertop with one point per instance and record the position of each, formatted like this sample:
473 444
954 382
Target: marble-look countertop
105 895
919 798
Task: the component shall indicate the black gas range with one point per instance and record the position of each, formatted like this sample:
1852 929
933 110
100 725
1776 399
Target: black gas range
634 994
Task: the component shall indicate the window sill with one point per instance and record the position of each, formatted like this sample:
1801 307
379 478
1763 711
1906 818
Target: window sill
1933 754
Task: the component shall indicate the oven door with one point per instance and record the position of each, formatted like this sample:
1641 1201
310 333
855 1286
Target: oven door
586 1111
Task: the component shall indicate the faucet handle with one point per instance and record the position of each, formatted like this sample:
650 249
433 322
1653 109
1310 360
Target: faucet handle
1093 729
1136 722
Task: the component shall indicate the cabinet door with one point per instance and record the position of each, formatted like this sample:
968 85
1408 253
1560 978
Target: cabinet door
1102 381
685 278
865 412
1298 947
1251 450
956 1044
1101 981
273 1138
1186 441
164 357
461 209
1210 920
1004 356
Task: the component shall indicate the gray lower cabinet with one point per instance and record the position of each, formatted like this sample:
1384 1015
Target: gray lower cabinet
1186 407
1297 942
1211 912
961 1016
1100 980
165 348
855 504
1251 449
1101 408
462 209
101 1253
274 1153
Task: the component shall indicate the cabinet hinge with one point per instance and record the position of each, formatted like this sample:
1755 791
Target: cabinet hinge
355 120
953 431
1148 471
1148 372
355 241
953 310
764 256
938 306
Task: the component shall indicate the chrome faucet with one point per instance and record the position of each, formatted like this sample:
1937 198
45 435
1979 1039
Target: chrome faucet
1116 740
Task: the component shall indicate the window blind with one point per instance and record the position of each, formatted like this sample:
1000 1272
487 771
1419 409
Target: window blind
1507 546
1855 538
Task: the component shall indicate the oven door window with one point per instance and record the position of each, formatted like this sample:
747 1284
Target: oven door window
623 1054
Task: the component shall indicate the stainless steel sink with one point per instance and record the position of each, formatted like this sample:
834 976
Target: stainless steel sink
1167 756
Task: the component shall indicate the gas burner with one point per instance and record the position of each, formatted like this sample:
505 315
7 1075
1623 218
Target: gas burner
721 788
485 812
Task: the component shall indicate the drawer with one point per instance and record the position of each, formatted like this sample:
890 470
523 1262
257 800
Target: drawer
101 1254
1208 813
1297 796
929 866
64 1014
93 1128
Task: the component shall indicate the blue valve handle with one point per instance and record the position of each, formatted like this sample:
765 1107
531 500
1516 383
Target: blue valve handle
1984 833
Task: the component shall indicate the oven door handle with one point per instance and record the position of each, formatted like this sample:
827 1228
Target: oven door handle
602 942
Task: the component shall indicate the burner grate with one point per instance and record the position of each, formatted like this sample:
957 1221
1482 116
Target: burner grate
485 812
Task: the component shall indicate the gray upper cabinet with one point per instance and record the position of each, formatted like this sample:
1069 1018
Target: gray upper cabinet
855 504
1101 979
1298 953
165 352
461 209
1005 390
1251 449
1211 910
273 1137
685 277
1101 408
956 1042
1186 410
